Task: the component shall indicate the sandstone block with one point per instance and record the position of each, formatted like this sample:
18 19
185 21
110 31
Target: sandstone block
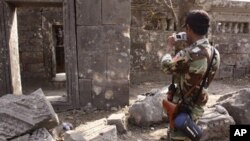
93 131
24 113
120 121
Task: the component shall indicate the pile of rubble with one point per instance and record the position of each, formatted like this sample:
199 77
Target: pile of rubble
32 118
230 109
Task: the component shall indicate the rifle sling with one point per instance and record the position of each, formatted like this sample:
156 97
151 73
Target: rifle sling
203 79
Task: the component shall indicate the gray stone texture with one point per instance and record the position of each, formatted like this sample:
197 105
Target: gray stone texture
85 91
92 64
36 40
117 66
120 121
215 124
2 61
20 114
88 40
237 105
41 134
147 45
93 131
148 109
38 135
116 12
109 93
88 12
116 38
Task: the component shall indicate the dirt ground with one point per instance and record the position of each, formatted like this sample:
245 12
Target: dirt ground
155 132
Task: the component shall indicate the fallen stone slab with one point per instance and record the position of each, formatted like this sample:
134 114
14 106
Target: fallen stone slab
93 131
120 121
215 124
148 109
41 134
237 104
24 113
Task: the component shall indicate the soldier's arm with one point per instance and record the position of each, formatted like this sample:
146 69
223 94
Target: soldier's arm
178 63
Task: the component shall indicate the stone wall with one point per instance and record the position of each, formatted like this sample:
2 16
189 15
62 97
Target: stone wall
149 32
103 43
229 33
36 42
231 37
2 71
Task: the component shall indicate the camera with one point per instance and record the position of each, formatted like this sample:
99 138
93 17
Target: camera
181 36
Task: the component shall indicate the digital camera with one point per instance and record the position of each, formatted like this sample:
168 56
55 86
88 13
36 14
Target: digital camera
181 36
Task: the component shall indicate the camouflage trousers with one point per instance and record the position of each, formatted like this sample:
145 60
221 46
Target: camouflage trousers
177 135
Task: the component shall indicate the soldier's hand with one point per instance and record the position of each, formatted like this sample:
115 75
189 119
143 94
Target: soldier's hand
170 43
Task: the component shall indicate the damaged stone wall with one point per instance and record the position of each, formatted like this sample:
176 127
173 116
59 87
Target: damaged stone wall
103 43
148 38
36 43
231 37
149 31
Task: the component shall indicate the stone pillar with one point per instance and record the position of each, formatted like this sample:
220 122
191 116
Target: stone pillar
241 28
103 35
236 28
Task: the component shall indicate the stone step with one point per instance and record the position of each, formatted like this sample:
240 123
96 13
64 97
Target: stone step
93 131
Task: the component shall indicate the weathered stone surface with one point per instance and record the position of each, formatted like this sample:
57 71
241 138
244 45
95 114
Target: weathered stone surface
20 114
116 12
92 65
120 121
117 66
215 124
89 40
88 12
93 131
148 109
21 138
110 93
237 105
116 38
41 135
85 91
38 135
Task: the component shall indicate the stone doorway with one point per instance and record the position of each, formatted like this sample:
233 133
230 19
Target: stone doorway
33 67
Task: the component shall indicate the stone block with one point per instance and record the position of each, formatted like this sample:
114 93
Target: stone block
110 93
89 39
21 138
93 131
136 18
23 113
31 57
148 109
226 71
38 135
116 38
92 65
88 12
116 12
118 66
41 134
120 121
215 124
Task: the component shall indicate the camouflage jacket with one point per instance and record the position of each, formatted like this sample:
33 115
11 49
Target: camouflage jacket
189 66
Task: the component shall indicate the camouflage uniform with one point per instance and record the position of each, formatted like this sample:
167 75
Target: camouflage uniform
189 66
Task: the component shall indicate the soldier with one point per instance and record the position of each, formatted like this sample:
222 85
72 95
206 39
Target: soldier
189 67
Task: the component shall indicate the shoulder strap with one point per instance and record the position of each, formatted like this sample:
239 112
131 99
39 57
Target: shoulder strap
205 78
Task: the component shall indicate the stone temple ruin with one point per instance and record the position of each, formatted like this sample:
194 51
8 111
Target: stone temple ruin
86 53
90 51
